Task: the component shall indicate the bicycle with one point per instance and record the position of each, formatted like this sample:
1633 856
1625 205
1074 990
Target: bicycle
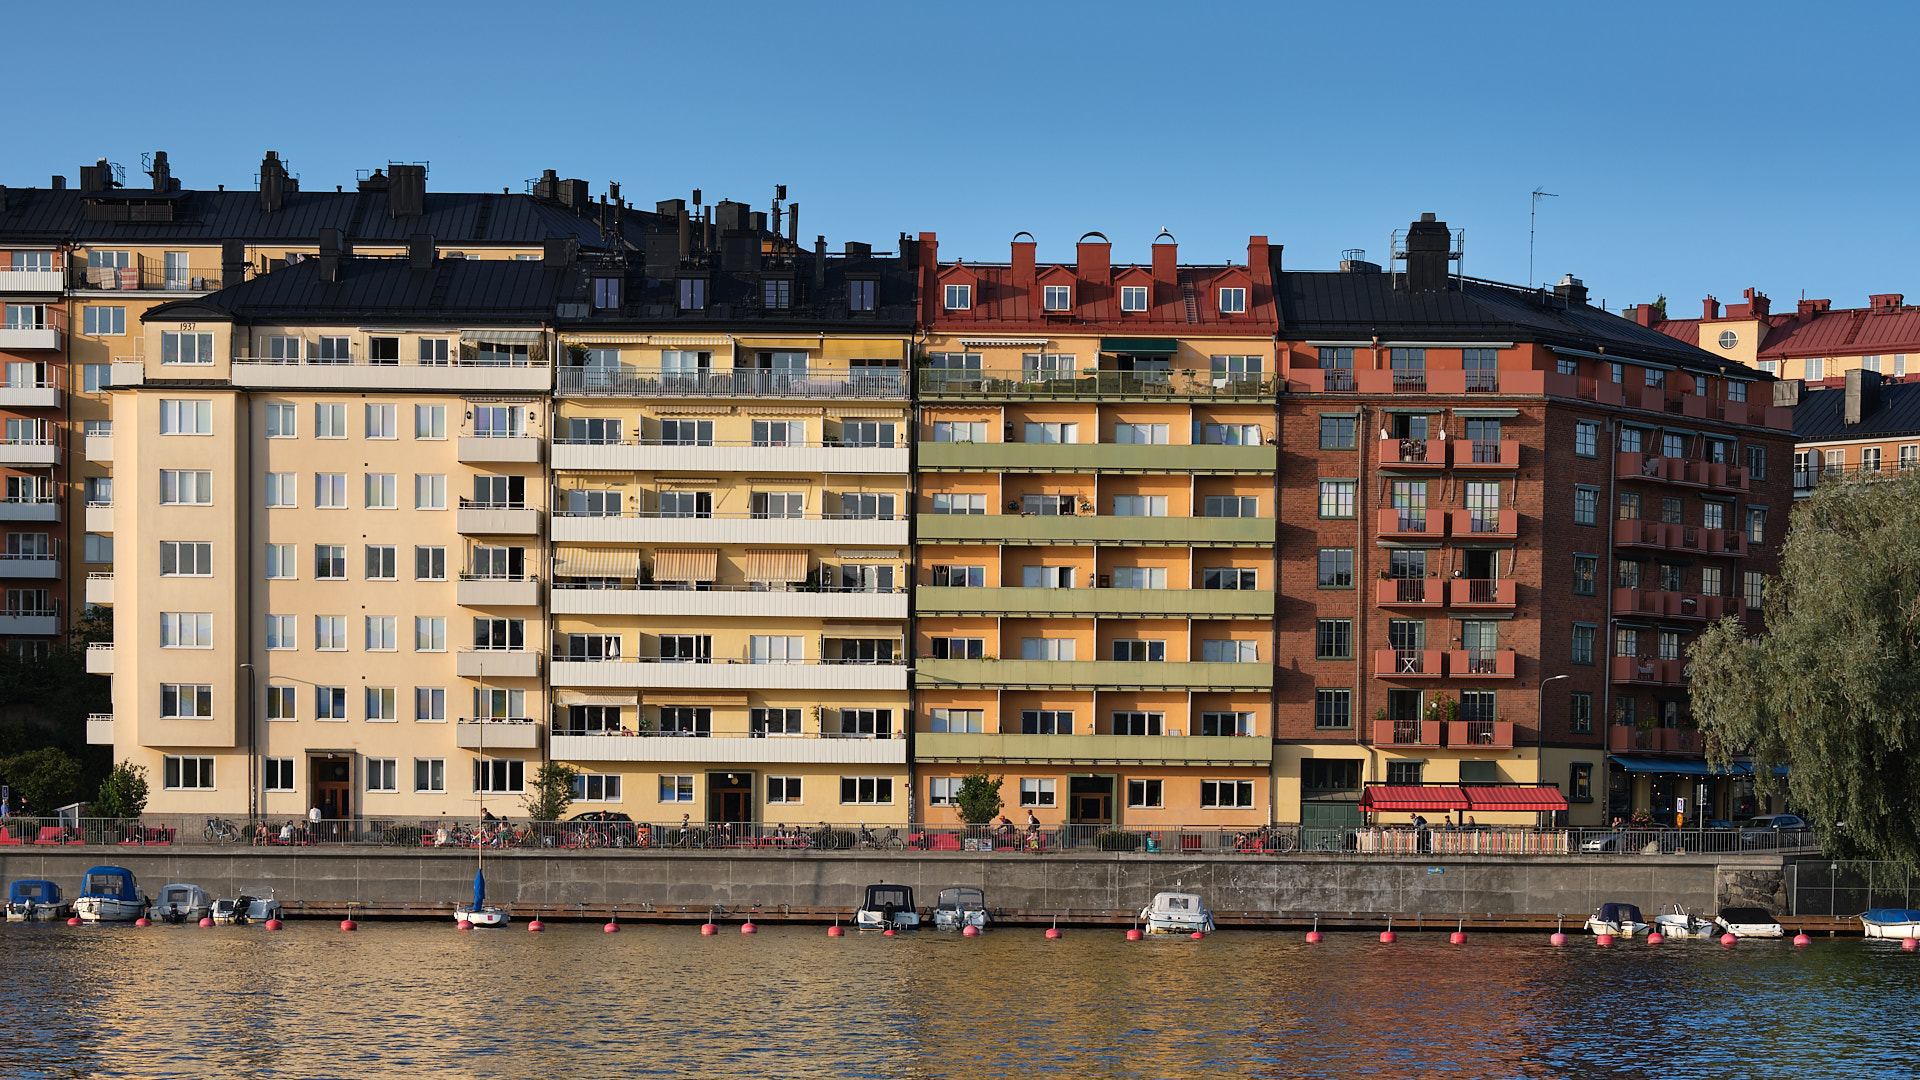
889 841
221 831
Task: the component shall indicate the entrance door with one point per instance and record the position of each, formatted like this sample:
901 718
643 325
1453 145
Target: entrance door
332 785
730 797
1090 800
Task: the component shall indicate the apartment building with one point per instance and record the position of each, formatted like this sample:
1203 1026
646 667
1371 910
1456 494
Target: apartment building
1510 514
730 567
330 488
1815 342
1866 425
1094 552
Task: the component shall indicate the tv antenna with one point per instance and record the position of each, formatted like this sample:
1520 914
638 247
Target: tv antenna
1532 211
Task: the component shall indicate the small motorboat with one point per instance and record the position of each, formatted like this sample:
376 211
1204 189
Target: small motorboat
887 907
181 903
256 905
1745 922
1886 922
960 908
110 894
481 913
1177 913
34 900
1618 920
1680 923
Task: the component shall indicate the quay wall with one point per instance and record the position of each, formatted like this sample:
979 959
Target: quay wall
1250 885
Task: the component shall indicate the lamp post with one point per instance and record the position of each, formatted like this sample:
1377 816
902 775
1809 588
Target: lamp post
1540 728
253 747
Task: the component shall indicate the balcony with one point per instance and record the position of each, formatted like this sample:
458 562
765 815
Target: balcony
1101 603
1408 733
1092 384
100 658
1171 749
1649 672
47 510
1486 454
127 372
29 396
729 458
100 589
99 449
1013 457
480 520
1726 542
1717 475
1656 740
730 603
498 664
497 592
498 734
730 750
499 449
30 566
1092 675
1481 734
1408 592
148 278
624 381
30 337
1481 663
738 675
1407 664
1411 524
1486 524
261 373
1669 536
1413 453
1343 380
1090 529
1485 593
100 729
100 518
30 453
1672 605
29 621
16 282
814 529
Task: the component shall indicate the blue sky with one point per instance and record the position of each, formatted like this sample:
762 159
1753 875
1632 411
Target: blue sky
1694 148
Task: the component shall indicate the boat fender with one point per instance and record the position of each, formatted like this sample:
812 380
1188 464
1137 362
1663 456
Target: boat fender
836 930
75 921
274 924
1603 939
707 929
536 926
348 926
1134 935
1053 933
1728 939
206 922
143 921
611 927
461 925
971 931
1655 937
1909 945
749 928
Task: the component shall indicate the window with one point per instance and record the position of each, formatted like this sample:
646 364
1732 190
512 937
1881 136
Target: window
429 704
960 431
1713 515
280 703
1139 577
330 703
1226 434
1580 712
1047 505
959 297
1816 370
1629 508
1335 567
1056 298
1242 506
1050 433
1655 376
867 723
429 775
956 721
1140 434
1586 438
280 421
186 630
860 294
1220 724
330 421
1669 645
700 433
429 421
1333 639
429 491
1324 774
1133 298
96 548
866 790
429 563
1405 772
381 633
1756 525
764 722
1226 793
1036 792
941 791
186 701
186 487
499 705
777 293
1336 498
330 633
103 321
182 558
1671 508
331 350
1139 506
1337 432
686 648
187 773
944 503
1233 301
1583 634
1139 651
94 378
187 417
693 294
330 562
281 632
1046 722
1586 568
282 490
380 704
381 493
1333 709
1230 652
177 347
1580 773
676 788
330 491
593 431
493 775
381 423
1228 578
279 774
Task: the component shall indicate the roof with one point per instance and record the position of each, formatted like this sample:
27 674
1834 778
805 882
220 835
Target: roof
1515 799
501 290
1821 414
1892 327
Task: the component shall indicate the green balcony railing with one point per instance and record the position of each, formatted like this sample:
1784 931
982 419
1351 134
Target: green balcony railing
1090 383
1093 529
1144 603
1094 674
1095 457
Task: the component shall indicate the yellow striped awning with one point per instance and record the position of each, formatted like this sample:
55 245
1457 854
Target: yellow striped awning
686 564
596 562
862 630
782 566
867 348
595 697
694 697
780 343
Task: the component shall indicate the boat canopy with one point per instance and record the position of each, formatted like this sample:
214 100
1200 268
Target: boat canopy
1746 915
1877 915
112 882
959 899
880 896
1620 913
1176 901
189 895
33 890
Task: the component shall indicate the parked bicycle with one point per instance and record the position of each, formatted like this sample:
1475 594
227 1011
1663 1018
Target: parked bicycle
888 840
221 831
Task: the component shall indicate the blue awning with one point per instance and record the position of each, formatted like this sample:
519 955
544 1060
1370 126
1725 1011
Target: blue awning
1678 766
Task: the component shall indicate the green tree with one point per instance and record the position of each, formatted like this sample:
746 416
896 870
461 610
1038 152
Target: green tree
123 794
46 778
979 797
1832 689
550 792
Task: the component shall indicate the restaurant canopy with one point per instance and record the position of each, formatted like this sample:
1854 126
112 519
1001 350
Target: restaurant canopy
1444 798
1525 800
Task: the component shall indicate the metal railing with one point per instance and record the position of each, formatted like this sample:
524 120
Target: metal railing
1092 383
565 727
734 516
160 278
731 382
1848 887
899 442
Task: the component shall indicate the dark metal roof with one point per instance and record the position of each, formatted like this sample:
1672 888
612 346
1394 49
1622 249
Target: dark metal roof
1821 413
39 215
498 290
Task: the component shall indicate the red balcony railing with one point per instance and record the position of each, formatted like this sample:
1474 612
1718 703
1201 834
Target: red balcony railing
1481 592
1427 524
1487 733
1481 663
1407 663
1493 524
1486 454
1407 733
1647 671
1407 592
1413 453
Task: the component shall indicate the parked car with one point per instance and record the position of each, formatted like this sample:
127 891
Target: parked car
1625 840
1773 830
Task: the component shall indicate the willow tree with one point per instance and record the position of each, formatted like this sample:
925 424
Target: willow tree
1831 690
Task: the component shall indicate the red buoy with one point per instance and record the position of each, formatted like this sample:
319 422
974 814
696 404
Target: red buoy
888 932
1053 932
206 923
836 930
75 921
1197 935
1387 937
1134 935
143 921
348 925
1603 939
461 925
1655 937
1556 938
970 931
707 929
1728 939
749 928
1457 938
536 926
611 927
274 924
1909 945
1313 937
1801 938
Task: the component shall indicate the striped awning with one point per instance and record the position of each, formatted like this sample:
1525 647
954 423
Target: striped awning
596 563
780 343
862 630
782 566
591 697
686 564
694 697
502 337
868 348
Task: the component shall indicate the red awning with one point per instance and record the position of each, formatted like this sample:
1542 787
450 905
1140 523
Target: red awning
1411 798
1527 800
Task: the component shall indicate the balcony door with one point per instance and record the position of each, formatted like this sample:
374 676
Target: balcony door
730 797
1090 800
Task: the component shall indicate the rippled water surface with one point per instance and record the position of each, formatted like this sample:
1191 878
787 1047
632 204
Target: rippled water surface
422 999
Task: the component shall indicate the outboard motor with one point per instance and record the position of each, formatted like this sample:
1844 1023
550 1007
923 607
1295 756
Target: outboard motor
173 914
888 912
241 905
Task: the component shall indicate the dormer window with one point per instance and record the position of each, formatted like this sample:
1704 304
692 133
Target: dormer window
606 293
1133 298
959 298
1233 301
693 294
861 294
777 294
1056 298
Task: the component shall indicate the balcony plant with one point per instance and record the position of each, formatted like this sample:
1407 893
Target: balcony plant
1442 708
1116 840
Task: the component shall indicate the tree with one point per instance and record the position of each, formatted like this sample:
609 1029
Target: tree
46 778
979 797
1832 689
123 794
551 791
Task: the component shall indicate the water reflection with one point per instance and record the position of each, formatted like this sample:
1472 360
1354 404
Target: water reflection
423 1000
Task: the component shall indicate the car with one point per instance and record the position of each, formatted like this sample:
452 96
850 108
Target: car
1631 839
1773 830
600 815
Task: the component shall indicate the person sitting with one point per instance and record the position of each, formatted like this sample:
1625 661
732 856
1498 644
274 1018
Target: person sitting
286 832
441 837
260 834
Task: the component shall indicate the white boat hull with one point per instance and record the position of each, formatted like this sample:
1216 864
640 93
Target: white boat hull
484 915
173 914
1685 926
946 919
108 909
1626 929
1182 925
225 912
877 920
1754 930
1891 930
36 912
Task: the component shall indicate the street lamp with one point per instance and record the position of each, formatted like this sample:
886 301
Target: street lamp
1540 718
253 747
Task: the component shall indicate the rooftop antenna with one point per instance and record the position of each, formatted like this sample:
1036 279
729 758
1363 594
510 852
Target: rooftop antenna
1533 210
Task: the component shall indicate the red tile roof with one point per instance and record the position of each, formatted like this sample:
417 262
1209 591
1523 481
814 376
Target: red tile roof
1884 330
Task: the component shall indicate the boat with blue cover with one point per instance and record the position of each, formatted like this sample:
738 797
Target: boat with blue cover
1618 920
1891 922
110 894
35 900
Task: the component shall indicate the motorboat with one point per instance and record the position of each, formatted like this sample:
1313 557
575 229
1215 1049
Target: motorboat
181 903
887 907
1745 922
1880 922
481 913
1177 913
110 894
1618 920
35 900
256 905
959 908
1680 923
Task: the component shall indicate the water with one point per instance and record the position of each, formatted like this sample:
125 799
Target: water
424 1000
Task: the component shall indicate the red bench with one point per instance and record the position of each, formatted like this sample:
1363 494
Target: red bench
58 834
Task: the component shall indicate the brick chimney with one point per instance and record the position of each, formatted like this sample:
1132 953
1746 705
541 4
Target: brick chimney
1259 260
1886 301
1758 306
1023 264
1709 308
1093 262
1166 271
1643 314
1428 243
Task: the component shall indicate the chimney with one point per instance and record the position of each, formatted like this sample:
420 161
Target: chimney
3 198
1786 393
858 250
161 173
96 178
1814 307
1886 301
779 194
1093 265
1757 304
1709 308
1571 290
1166 270
548 186
407 191
1643 314
613 192
273 183
731 216
927 274
58 183
793 223
1863 395
1428 245
420 251
331 250
1023 264
819 265
757 222
233 263
559 250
